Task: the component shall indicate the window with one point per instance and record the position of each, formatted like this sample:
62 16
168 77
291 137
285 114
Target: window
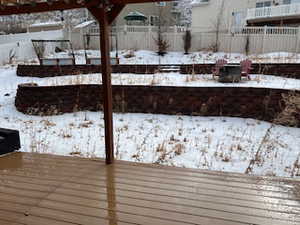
238 19
153 20
263 4
160 3
287 2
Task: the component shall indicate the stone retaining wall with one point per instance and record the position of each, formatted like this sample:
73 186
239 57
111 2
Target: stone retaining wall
257 103
285 70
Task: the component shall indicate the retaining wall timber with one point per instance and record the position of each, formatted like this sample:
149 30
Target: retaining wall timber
257 103
63 70
285 70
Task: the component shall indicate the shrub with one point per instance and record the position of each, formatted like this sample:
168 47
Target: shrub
187 38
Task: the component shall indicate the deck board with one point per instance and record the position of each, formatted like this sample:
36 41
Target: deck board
40 189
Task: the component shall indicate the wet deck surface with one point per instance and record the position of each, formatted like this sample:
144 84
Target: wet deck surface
53 190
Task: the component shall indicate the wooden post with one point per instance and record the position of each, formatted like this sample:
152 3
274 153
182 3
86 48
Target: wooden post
106 85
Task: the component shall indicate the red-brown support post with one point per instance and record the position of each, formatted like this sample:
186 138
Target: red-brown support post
106 84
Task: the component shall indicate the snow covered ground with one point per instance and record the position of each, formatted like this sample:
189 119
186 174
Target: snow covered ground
9 80
227 144
150 57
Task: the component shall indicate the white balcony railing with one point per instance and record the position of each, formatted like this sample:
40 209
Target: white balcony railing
287 31
273 11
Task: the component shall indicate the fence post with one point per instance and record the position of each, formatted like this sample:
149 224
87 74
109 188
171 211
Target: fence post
174 37
149 36
200 42
125 36
297 40
264 37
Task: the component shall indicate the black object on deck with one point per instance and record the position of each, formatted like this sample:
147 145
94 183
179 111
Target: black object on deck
9 141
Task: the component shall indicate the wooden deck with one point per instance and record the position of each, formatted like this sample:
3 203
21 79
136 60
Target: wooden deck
38 189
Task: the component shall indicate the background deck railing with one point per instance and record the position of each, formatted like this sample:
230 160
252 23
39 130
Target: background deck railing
273 11
266 30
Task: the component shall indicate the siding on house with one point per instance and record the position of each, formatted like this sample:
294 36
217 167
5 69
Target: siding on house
232 13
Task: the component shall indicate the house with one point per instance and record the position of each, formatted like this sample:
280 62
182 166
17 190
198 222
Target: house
167 10
211 15
169 13
274 13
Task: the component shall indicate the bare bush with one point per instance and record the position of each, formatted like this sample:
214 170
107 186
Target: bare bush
162 44
11 56
290 115
247 45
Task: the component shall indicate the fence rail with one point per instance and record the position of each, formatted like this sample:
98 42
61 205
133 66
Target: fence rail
249 40
133 29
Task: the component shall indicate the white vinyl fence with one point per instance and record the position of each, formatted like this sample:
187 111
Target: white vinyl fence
20 47
253 40
14 38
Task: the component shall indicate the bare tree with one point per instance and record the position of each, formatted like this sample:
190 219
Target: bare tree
218 25
161 42
247 45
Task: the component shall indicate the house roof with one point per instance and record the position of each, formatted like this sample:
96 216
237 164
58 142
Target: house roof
135 16
84 24
47 24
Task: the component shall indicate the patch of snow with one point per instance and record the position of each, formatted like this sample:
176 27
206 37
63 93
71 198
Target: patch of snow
204 57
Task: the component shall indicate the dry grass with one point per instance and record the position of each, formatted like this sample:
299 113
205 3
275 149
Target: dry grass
154 81
290 115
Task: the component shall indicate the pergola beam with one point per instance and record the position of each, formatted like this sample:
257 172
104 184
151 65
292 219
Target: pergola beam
136 1
39 7
22 7
114 12
102 16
